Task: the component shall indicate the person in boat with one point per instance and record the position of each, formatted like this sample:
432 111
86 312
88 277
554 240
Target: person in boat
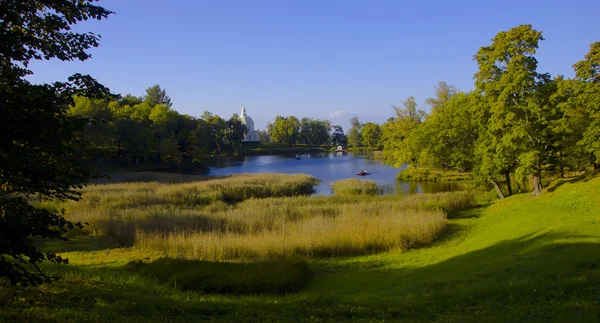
363 172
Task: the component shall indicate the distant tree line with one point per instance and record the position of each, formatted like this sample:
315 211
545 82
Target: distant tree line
290 130
134 129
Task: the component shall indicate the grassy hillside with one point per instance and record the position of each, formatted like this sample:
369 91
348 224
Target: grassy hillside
519 260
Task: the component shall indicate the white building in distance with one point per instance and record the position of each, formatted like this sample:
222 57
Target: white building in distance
252 134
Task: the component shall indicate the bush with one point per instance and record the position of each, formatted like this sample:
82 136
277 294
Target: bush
353 186
432 175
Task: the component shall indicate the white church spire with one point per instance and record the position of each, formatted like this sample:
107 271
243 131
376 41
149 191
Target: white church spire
252 134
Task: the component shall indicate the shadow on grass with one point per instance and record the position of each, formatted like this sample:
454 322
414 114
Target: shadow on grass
117 299
470 213
535 278
581 178
268 277
77 243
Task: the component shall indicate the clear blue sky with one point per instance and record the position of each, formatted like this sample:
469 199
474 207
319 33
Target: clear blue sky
320 59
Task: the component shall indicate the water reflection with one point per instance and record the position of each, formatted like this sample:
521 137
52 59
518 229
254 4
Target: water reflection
328 167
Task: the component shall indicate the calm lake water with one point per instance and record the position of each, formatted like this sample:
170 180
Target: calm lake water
330 167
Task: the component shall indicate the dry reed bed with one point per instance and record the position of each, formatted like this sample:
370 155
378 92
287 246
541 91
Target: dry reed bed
354 186
168 218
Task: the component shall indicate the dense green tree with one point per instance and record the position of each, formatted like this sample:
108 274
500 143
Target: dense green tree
130 100
354 135
447 137
443 94
155 95
236 132
199 141
587 73
338 137
314 132
398 149
371 135
217 131
284 130
41 142
517 102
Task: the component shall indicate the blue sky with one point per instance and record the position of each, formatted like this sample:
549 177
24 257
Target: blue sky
320 59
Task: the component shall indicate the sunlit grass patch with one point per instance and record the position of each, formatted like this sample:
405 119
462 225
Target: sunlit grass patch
198 221
353 232
169 220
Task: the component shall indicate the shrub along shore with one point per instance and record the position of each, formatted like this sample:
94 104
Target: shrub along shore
433 175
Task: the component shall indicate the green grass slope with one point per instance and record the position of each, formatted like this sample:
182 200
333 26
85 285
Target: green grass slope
519 260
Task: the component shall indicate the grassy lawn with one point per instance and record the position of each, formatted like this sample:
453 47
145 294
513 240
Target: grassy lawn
521 259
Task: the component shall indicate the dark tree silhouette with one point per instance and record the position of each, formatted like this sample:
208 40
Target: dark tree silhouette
40 150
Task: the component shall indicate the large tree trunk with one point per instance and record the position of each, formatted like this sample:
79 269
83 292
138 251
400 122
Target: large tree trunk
498 190
508 185
537 185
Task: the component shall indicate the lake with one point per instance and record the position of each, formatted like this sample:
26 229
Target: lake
330 167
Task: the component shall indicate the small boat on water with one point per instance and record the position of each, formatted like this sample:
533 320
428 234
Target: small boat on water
363 173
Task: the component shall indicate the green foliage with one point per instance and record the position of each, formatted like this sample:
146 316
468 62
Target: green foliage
371 135
354 134
291 131
353 186
398 146
447 137
588 70
516 128
236 132
587 74
157 96
519 114
443 94
41 144
135 132
338 137
268 277
19 222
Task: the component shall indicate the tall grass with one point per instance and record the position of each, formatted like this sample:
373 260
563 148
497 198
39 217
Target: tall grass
271 219
350 233
353 186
